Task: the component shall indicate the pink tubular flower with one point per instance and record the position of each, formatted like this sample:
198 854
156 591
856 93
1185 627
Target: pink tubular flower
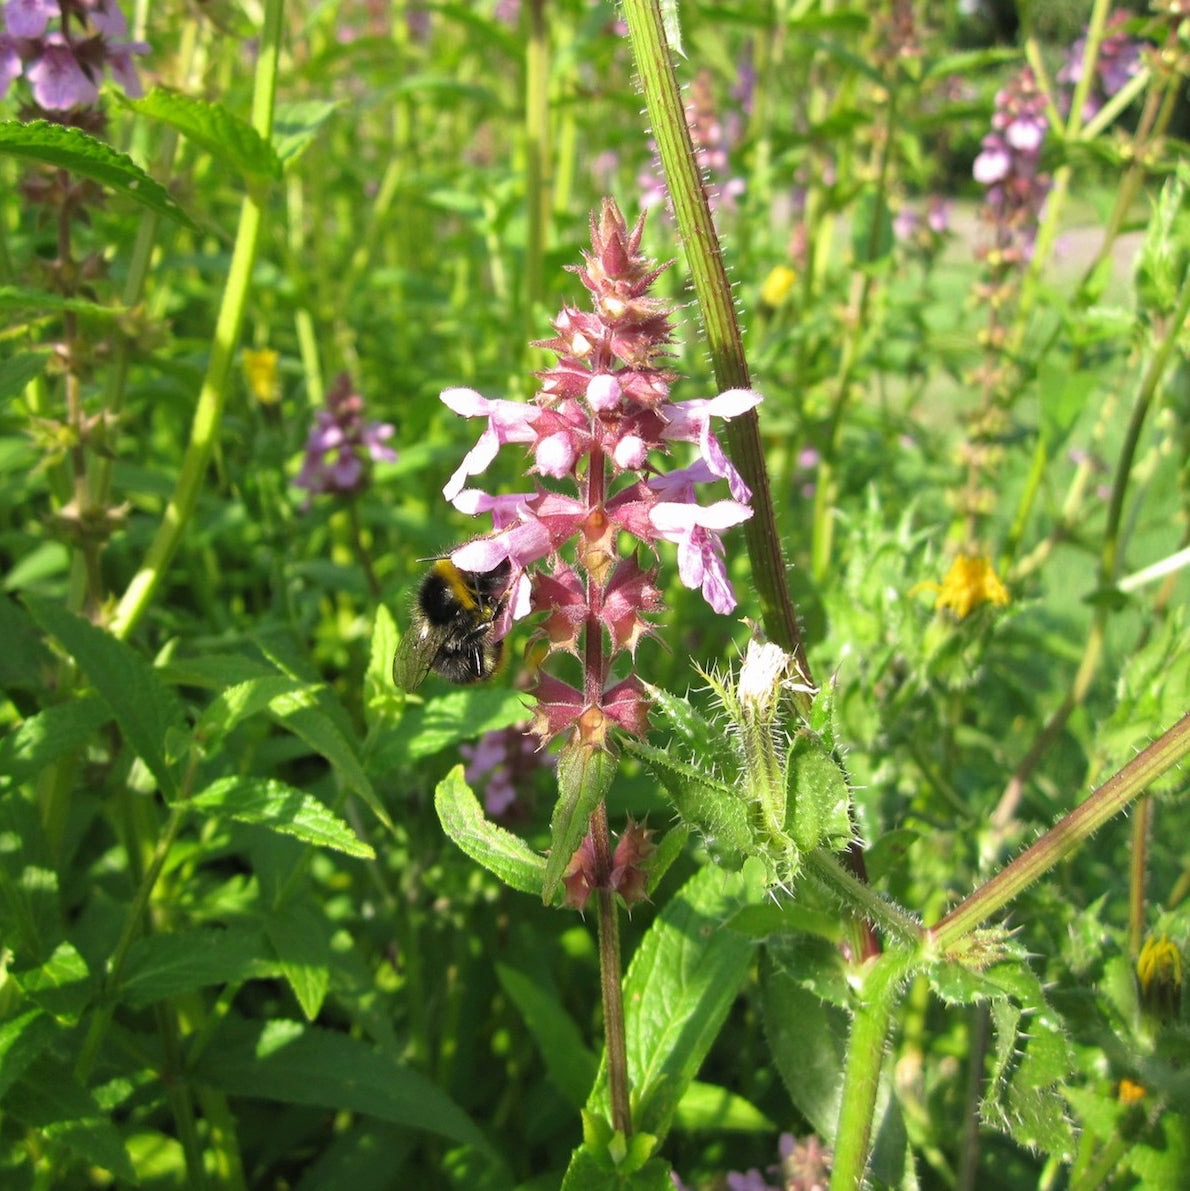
601 422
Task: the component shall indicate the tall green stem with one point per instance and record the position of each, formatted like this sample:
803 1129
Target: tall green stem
208 413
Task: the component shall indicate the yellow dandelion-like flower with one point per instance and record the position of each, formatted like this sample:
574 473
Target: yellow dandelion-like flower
777 285
260 370
969 583
1130 1091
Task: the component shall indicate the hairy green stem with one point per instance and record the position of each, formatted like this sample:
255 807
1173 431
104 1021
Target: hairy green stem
713 289
610 978
876 1001
1062 839
208 413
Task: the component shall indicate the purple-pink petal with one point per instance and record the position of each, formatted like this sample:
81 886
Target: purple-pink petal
119 61
58 81
475 462
28 18
108 18
10 65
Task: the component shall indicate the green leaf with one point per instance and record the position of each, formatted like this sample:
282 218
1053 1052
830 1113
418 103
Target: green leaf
872 236
817 797
72 149
25 661
569 1062
1063 396
298 711
18 371
585 775
22 1039
44 738
295 125
499 851
300 935
293 1063
144 707
712 807
62 985
273 804
683 979
808 1041
701 737
230 140
50 1101
445 720
378 683
241 701
165 965
21 298
705 1106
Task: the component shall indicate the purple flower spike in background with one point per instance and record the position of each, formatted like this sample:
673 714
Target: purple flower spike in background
601 417
341 444
1118 61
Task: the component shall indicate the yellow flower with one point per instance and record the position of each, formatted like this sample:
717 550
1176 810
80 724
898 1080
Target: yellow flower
969 583
1130 1091
260 370
1159 973
777 285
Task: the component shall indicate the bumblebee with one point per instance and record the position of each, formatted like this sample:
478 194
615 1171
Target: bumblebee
452 625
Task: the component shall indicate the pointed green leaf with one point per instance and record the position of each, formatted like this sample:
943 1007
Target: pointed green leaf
378 683
443 721
705 1106
52 1102
144 707
300 935
585 775
295 125
299 712
32 301
569 1062
44 738
282 808
293 1063
72 149
166 965
498 850
25 662
22 1039
18 371
62 985
683 979
230 140
241 701
817 798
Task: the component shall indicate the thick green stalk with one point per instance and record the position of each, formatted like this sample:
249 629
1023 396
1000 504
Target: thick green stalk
865 1055
668 122
537 127
1062 839
208 413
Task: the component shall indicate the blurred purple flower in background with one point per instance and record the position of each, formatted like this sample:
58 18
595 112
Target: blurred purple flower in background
1119 59
65 65
341 444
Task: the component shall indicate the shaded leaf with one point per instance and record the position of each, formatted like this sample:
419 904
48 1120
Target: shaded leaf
144 707
22 1039
164 965
44 738
72 149
499 851
585 775
300 935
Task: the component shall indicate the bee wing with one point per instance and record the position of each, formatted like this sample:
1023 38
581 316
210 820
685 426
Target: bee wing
415 656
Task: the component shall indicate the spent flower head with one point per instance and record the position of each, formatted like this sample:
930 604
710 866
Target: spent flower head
342 444
968 583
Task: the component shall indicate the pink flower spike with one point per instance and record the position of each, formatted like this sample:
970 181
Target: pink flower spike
28 18
59 83
696 531
690 421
